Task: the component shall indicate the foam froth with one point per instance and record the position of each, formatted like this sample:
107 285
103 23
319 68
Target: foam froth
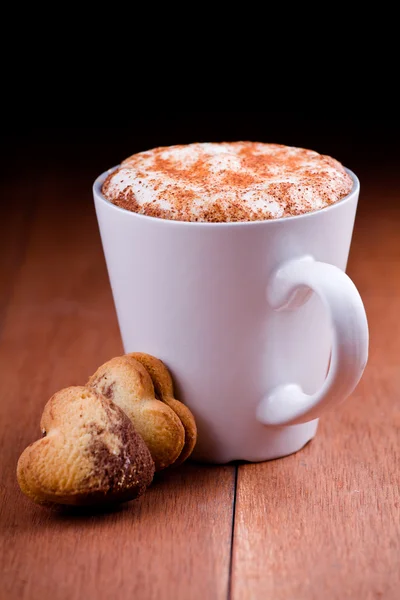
225 182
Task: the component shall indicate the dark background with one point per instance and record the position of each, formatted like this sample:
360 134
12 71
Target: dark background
361 144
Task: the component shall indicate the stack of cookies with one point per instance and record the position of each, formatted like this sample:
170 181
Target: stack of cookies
104 441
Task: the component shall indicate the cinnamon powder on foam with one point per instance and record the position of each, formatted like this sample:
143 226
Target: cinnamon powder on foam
227 182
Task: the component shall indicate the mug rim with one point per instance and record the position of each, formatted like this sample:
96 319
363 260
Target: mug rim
130 214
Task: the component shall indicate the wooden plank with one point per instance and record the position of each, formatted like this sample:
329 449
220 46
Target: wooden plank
325 522
18 203
172 543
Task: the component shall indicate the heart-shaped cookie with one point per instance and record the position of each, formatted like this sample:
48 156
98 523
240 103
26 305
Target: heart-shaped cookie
90 453
127 383
164 389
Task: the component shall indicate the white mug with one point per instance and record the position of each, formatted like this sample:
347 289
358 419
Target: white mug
247 316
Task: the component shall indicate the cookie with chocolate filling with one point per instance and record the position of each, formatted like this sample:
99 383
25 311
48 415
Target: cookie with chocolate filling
164 389
127 383
90 453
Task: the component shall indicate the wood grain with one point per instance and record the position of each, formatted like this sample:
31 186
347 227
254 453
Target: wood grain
321 523
59 326
15 225
325 522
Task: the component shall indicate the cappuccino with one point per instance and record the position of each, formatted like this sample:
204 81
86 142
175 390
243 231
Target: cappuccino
227 182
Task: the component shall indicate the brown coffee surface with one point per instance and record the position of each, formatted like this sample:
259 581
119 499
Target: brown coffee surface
227 182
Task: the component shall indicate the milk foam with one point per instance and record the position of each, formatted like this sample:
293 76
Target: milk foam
238 181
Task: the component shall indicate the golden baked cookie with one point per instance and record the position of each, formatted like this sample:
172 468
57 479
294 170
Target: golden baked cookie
164 389
90 453
126 382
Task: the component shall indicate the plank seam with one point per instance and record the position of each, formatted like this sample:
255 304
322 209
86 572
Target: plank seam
229 597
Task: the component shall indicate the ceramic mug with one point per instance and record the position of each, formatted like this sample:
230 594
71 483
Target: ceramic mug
247 317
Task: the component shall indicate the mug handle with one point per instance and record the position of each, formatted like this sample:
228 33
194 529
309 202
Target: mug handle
289 287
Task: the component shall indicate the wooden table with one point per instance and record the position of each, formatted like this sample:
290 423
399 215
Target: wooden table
323 523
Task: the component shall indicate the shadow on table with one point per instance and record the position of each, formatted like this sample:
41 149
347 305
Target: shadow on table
169 489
